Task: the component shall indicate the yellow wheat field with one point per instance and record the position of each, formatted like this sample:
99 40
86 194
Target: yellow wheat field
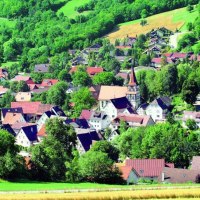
153 22
114 195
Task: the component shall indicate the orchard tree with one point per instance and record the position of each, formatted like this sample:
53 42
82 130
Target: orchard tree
22 86
189 91
9 160
83 100
106 147
64 76
5 101
49 157
103 78
81 78
57 94
98 167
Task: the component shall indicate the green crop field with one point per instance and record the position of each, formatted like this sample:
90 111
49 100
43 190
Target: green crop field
175 19
17 186
28 185
69 8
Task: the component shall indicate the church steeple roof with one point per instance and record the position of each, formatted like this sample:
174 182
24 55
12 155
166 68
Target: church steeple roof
133 80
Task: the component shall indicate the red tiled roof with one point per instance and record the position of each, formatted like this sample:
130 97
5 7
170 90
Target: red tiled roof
90 70
42 108
42 132
27 79
125 170
141 120
86 114
49 82
195 57
179 55
168 54
21 124
27 107
147 167
94 70
33 86
159 60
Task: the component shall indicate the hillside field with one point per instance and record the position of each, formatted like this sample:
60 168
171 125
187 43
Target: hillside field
175 19
69 8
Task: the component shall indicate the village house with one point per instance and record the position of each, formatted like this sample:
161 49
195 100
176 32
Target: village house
48 82
13 118
132 120
81 59
176 175
153 50
53 111
27 136
23 96
121 59
4 111
157 62
149 169
85 139
41 68
94 48
17 126
160 33
32 110
129 175
26 79
159 108
96 119
90 70
191 115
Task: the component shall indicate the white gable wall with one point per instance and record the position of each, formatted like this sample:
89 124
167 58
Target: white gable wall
22 140
155 112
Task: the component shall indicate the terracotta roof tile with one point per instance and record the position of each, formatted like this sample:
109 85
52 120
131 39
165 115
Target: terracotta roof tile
90 70
49 82
42 132
12 118
147 167
111 92
27 107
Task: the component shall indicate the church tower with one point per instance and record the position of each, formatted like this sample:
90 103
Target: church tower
133 93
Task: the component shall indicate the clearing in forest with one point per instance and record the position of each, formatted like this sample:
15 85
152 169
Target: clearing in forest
69 8
175 19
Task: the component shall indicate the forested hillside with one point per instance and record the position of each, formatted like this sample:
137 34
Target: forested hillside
41 31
